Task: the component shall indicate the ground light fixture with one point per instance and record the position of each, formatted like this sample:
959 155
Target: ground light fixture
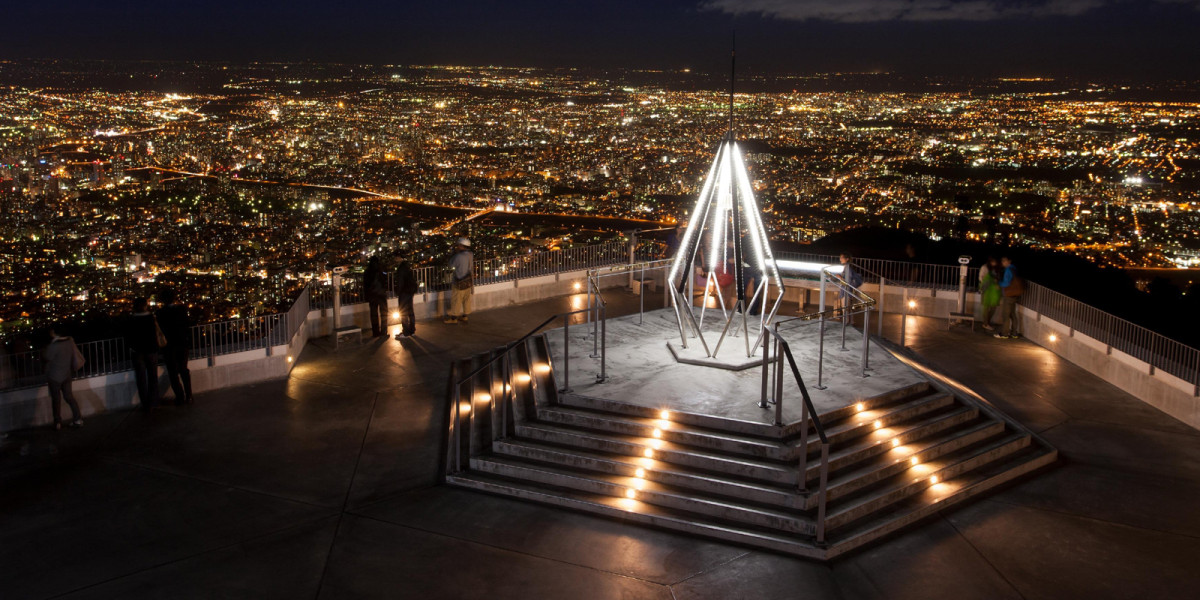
912 303
395 315
1053 338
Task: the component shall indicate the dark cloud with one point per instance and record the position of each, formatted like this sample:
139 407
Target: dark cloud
870 11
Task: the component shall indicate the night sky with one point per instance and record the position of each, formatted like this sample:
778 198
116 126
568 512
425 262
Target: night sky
1149 39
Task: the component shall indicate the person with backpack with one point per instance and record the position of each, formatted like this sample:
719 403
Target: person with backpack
1013 287
62 358
406 288
462 282
375 288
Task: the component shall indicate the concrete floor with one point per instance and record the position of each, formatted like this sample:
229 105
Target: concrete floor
641 370
323 486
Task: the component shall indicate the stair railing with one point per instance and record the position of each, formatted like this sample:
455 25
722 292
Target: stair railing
779 348
454 459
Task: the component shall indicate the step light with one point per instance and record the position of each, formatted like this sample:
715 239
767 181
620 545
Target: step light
631 493
878 424
656 433
1053 338
934 479
640 473
859 407
895 442
914 461
524 378
664 414
648 453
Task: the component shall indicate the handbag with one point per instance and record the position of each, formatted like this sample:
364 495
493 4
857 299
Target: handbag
159 337
77 360
465 283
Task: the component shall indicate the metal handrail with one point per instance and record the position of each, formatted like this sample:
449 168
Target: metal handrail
506 390
808 412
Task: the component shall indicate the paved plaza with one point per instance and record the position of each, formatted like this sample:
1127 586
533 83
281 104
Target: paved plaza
324 485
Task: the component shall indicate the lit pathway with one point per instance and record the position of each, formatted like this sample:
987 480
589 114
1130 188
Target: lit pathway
323 485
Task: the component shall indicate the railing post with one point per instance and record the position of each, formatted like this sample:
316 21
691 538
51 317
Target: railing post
766 362
802 479
566 354
821 353
882 301
866 339
822 493
603 340
779 382
904 319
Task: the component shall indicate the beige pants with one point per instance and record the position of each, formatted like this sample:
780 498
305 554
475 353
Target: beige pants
460 302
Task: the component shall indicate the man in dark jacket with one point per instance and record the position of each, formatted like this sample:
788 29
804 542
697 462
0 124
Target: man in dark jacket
406 287
141 338
375 288
173 320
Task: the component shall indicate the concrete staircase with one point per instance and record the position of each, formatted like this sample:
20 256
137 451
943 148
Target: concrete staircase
893 459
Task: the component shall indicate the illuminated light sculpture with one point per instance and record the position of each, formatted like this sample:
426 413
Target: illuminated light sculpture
725 237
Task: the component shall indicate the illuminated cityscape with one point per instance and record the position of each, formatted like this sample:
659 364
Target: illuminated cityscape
241 190
670 300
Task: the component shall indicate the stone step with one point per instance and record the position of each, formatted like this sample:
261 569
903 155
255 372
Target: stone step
897 460
764 471
635 511
919 477
646 491
881 441
938 497
866 422
666 430
652 470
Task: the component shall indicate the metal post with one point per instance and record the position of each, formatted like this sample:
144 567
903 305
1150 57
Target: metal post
506 369
778 382
566 354
632 253
802 479
457 426
821 353
337 302
603 340
762 399
844 318
882 300
866 339
641 294
821 493
904 319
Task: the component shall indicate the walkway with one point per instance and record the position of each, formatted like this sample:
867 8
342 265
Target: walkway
323 486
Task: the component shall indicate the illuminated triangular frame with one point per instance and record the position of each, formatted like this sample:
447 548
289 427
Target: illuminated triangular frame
726 205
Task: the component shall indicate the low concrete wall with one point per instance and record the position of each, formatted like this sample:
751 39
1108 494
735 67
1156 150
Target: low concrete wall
1136 377
433 305
30 407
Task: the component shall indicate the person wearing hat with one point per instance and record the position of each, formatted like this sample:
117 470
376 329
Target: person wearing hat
462 285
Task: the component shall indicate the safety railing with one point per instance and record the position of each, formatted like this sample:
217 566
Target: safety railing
27 369
852 301
897 272
505 391
103 357
773 371
1156 350
494 270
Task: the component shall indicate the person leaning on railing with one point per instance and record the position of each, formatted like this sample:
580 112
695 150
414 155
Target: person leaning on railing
62 358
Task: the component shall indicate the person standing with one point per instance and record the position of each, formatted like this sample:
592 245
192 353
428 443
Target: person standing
173 321
1013 287
142 338
406 287
989 290
462 282
375 288
62 358
674 241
